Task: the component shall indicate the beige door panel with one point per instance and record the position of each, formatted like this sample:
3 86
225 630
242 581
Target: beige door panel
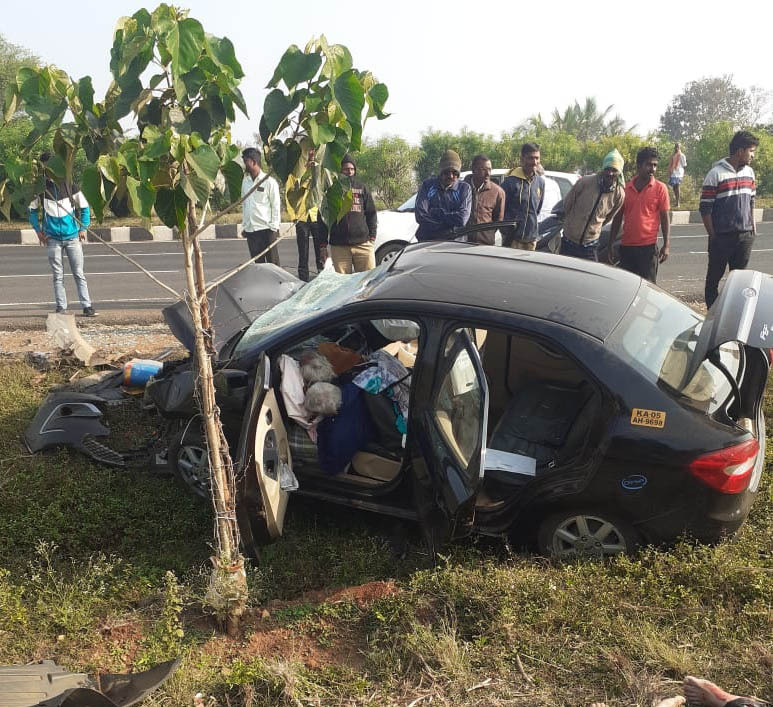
274 499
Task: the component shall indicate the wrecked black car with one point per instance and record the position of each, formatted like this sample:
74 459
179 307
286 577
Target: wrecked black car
562 403
545 398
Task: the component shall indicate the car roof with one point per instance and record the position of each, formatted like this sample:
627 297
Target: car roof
584 295
503 171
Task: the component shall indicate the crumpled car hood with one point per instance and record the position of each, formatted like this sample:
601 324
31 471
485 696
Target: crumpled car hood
235 303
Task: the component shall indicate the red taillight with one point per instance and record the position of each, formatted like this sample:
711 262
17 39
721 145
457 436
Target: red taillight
727 470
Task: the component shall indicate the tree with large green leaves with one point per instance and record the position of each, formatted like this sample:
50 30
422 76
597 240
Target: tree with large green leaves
181 87
312 116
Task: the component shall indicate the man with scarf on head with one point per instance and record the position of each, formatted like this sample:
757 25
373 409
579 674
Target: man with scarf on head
351 239
593 201
444 203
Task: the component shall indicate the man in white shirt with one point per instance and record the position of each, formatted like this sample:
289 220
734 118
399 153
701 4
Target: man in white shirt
261 211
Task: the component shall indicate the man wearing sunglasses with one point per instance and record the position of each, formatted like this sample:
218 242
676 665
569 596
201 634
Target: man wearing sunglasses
443 203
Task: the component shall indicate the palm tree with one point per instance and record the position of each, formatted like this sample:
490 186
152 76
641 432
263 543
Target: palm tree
586 122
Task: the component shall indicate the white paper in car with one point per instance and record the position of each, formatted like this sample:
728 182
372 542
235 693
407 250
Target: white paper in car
498 460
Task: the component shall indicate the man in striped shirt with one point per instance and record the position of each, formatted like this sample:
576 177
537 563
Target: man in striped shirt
727 209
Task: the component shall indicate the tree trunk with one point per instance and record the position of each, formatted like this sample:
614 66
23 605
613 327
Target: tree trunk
228 586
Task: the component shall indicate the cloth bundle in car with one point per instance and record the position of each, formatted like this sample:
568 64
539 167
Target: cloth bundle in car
538 420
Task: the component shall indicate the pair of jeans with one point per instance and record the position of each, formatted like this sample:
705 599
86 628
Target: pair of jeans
641 260
575 250
361 257
726 250
304 229
258 241
72 248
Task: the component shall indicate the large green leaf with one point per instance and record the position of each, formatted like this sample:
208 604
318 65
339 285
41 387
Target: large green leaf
234 175
221 50
337 202
321 133
86 93
56 167
141 197
350 96
171 206
195 188
130 91
377 97
185 40
201 122
214 106
109 168
276 108
296 67
338 59
284 157
91 186
44 112
335 151
10 101
205 162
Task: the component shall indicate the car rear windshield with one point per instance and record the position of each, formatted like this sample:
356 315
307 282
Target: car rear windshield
328 291
657 337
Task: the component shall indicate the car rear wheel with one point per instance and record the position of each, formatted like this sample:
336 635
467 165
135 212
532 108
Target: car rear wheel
388 252
571 534
189 461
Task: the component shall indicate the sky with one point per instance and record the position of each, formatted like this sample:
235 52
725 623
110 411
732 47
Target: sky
486 66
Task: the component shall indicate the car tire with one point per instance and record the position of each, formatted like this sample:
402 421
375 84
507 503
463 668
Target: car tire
389 251
187 458
585 533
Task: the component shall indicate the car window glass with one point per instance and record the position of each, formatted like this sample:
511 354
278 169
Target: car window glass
459 406
408 205
658 338
329 290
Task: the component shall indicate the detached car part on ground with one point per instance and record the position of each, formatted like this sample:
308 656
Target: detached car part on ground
552 400
46 684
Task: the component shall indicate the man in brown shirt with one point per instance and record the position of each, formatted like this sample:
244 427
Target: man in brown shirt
488 200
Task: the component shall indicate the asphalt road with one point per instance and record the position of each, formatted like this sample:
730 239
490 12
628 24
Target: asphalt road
122 293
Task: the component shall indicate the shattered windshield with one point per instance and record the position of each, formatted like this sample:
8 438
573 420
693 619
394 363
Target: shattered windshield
329 290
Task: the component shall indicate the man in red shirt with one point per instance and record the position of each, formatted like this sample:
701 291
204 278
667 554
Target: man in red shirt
645 209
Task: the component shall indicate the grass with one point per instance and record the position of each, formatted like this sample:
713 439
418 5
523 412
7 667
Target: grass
104 569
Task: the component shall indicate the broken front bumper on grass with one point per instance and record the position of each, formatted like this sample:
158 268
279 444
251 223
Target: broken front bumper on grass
47 684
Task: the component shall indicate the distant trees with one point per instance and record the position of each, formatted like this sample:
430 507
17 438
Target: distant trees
13 58
712 100
388 167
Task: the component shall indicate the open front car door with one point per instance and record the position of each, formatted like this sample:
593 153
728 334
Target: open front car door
450 441
264 471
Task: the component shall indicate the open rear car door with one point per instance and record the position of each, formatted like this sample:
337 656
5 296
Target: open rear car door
264 467
449 441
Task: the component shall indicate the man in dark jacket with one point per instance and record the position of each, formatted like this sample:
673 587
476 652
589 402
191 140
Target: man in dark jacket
443 203
524 192
351 239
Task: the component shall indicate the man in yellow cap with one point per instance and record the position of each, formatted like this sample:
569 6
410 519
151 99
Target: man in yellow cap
444 203
593 201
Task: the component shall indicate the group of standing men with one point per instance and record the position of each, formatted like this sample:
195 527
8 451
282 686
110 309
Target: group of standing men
444 204
350 239
640 206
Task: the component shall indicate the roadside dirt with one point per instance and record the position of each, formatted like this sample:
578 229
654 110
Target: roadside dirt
139 340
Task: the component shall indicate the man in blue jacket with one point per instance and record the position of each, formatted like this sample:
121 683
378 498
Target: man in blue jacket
524 192
444 203
65 218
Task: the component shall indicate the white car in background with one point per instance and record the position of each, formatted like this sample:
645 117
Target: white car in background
397 228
